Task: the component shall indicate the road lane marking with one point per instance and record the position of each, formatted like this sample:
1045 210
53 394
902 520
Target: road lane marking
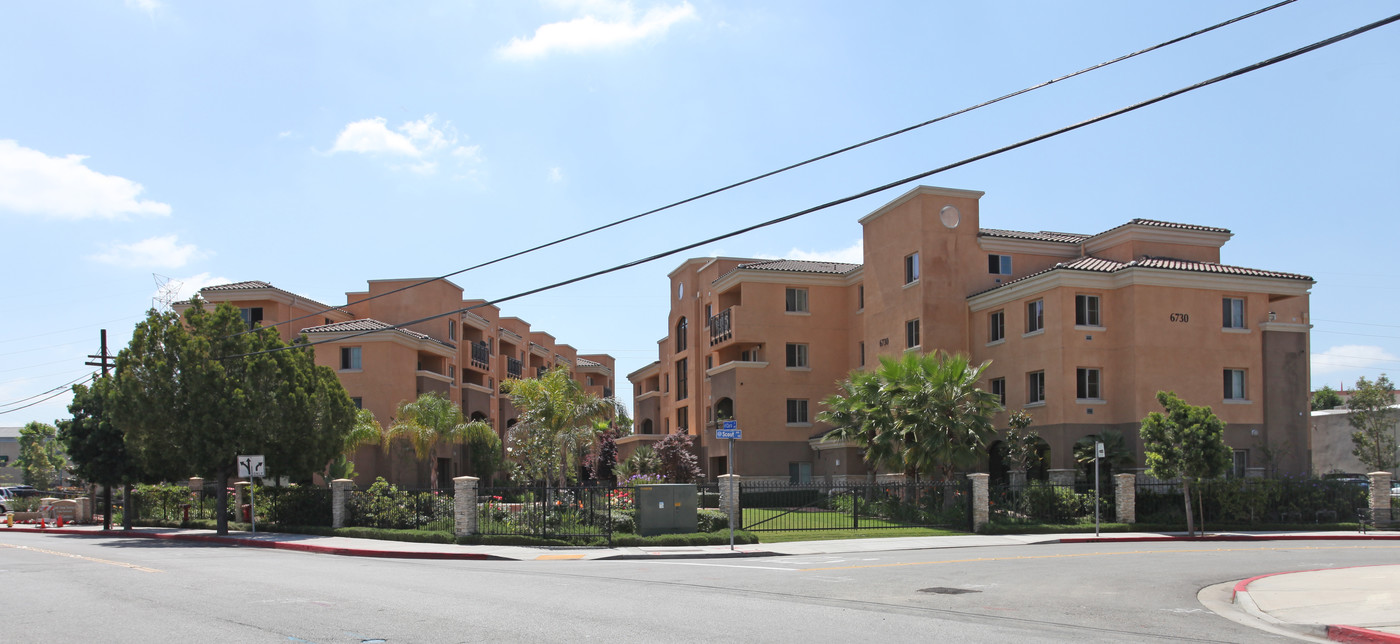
557 557
73 556
1094 554
715 565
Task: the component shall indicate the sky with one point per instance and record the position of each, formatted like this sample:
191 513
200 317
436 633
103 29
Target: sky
317 145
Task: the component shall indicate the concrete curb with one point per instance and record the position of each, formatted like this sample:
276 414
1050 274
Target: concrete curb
1334 632
1236 537
690 555
279 545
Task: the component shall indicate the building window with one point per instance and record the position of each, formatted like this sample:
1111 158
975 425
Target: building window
349 358
800 472
1087 384
451 330
1035 316
999 264
997 332
797 300
911 333
358 402
709 363
1239 463
1086 310
666 383
796 355
911 268
1234 384
1232 313
797 411
1035 387
682 382
681 327
999 390
252 316
862 353
590 381
860 297
683 420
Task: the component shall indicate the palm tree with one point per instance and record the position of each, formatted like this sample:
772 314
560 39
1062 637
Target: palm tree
561 414
858 414
1116 453
430 420
365 431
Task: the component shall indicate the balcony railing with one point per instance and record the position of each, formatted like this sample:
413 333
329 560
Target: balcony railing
481 355
514 368
720 327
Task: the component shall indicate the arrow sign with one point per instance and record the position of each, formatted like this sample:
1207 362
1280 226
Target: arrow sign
251 466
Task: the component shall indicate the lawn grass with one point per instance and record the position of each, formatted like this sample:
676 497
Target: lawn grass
827 525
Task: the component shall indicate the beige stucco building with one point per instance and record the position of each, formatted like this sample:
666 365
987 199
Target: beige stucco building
1081 330
464 357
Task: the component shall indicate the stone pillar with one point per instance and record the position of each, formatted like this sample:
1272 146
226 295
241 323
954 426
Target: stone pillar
1380 497
84 510
1061 477
1125 498
196 485
464 501
981 510
340 501
729 501
1018 479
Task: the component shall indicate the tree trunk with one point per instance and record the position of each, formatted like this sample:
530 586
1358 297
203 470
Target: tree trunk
1190 518
221 503
128 505
107 507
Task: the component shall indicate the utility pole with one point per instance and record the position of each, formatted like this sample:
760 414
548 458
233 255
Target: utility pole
106 361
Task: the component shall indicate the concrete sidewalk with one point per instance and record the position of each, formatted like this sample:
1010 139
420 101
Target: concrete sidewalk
1360 604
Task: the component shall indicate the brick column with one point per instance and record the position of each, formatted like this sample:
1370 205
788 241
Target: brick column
729 502
464 501
1380 497
1125 498
340 501
981 510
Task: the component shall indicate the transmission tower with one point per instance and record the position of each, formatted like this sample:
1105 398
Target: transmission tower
167 290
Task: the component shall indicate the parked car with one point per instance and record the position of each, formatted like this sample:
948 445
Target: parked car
5 500
1395 488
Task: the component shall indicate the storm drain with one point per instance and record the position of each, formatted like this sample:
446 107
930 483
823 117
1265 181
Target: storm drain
940 590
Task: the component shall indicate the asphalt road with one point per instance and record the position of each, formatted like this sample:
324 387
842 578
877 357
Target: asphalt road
74 588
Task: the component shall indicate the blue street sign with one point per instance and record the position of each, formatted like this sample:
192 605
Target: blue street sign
730 424
731 434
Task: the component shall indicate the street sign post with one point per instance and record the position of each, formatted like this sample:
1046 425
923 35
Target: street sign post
251 466
729 431
1098 454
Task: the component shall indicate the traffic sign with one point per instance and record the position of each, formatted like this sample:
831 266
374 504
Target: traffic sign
250 466
730 434
730 424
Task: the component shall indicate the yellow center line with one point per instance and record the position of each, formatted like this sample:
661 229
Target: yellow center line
1094 554
73 556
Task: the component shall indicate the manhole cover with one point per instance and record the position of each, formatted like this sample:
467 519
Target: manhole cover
939 590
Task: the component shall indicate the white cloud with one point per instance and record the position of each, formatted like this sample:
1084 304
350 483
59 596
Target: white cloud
35 183
148 6
1350 358
188 286
156 252
422 141
284 134
853 254
618 27
556 175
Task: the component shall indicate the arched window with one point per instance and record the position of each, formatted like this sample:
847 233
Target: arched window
646 427
680 335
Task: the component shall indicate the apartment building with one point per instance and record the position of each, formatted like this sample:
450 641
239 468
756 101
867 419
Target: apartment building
464 357
1081 330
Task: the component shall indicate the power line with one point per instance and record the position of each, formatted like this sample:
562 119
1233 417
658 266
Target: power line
872 191
793 166
42 393
1388 326
90 376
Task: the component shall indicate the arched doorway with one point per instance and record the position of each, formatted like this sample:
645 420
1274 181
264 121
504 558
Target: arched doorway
724 409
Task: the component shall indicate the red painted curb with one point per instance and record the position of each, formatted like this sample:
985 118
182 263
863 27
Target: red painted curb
1358 635
280 545
1236 537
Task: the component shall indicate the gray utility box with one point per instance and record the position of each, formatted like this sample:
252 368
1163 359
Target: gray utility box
666 509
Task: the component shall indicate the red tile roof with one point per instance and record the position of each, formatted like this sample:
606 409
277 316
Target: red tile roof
368 324
1099 265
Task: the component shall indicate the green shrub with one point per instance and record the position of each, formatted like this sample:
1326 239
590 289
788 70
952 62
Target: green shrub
709 521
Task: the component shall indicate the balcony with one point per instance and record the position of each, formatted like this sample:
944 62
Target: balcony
481 356
515 368
721 326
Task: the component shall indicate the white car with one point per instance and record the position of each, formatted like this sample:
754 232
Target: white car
5 500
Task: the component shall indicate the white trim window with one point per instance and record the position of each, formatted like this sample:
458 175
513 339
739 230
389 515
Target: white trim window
999 390
797 411
1087 384
911 268
999 264
797 356
1035 316
350 359
997 323
1086 311
1232 313
796 300
911 334
1035 387
1234 384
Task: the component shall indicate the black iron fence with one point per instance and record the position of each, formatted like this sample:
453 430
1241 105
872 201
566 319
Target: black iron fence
770 506
570 513
388 507
1041 502
1247 502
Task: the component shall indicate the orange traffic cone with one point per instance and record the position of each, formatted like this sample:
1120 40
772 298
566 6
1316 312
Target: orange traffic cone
60 521
42 525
